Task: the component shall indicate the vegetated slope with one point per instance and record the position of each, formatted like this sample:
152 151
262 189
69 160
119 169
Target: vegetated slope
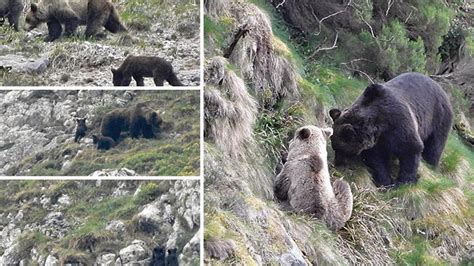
38 133
169 29
104 222
249 118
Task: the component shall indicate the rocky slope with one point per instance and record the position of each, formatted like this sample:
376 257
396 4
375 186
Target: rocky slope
169 29
102 222
250 117
37 133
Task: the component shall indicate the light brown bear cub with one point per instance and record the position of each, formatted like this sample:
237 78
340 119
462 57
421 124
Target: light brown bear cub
304 181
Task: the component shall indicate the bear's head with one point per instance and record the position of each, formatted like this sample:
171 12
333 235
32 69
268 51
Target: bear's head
307 139
356 129
159 252
117 77
153 118
35 17
172 252
81 122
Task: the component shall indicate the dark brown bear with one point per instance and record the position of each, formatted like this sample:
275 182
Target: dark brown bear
12 10
139 120
408 117
103 143
93 13
81 129
145 66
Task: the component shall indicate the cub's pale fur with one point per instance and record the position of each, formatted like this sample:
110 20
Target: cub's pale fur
304 181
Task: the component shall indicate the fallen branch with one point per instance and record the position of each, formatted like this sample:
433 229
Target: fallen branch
325 48
320 21
357 70
240 33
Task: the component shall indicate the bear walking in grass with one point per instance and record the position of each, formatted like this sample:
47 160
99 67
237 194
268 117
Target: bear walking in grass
12 10
72 13
145 66
139 120
408 117
81 129
304 181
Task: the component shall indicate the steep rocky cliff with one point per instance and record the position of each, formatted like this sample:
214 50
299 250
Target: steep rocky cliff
250 116
103 222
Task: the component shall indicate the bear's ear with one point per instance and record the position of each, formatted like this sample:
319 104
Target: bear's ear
94 139
327 131
304 133
114 70
348 132
372 92
334 114
34 7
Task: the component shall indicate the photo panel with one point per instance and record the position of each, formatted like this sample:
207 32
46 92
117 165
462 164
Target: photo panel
100 222
100 133
100 43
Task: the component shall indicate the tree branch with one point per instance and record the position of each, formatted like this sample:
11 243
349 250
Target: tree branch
325 48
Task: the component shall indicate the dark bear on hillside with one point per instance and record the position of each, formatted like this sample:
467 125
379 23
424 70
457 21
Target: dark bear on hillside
12 10
145 66
103 143
93 13
139 120
158 258
80 129
172 257
408 117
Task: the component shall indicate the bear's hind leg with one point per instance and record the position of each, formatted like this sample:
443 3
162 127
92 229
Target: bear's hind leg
54 30
139 79
433 148
344 198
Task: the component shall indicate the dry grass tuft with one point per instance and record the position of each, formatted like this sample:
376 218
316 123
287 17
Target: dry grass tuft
230 111
258 57
368 236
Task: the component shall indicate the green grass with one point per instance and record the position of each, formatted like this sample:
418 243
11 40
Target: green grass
418 255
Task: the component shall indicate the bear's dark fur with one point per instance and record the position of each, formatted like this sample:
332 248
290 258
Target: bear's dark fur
12 10
103 143
139 120
93 13
80 129
172 257
158 258
408 117
145 66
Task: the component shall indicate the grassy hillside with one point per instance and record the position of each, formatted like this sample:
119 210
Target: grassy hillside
426 223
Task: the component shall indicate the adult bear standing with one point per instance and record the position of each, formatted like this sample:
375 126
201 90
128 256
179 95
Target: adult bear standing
408 117
139 120
72 13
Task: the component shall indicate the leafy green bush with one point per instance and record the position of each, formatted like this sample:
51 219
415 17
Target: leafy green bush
400 54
